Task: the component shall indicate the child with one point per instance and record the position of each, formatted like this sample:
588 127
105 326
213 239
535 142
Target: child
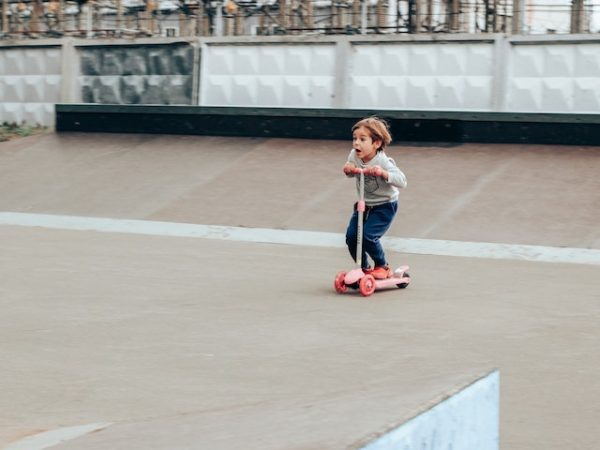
382 180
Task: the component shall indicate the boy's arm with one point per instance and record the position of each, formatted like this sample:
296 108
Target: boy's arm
350 165
395 176
392 174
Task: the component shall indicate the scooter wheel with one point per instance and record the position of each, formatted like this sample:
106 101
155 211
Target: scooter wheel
403 285
367 285
338 284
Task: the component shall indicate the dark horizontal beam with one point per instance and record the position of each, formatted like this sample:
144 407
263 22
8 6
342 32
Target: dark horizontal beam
412 126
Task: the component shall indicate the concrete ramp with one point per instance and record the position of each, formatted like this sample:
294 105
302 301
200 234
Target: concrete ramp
181 341
468 418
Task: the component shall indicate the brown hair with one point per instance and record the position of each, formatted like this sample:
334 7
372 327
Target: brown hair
378 129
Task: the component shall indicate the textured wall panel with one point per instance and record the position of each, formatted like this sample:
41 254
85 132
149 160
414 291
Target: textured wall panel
152 92
263 75
13 89
11 112
152 74
587 61
177 89
108 89
586 94
554 78
31 113
30 84
422 76
132 89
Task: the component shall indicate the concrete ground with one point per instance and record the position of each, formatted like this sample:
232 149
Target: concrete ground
193 343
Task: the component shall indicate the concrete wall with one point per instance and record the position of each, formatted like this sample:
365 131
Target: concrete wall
491 73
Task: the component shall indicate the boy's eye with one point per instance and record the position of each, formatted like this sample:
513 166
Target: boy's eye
360 138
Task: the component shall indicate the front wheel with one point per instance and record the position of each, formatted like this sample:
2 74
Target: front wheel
367 285
338 284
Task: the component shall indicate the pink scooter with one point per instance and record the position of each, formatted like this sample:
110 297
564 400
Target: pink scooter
356 278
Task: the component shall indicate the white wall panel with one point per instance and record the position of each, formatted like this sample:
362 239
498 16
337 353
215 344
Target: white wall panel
30 84
479 60
11 112
411 75
587 61
31 113
13 63
270 89
395 89
12 89
479 92
554 78
268 75
420 93
586 94
559 61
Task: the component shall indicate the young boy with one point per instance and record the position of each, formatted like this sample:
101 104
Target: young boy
382 180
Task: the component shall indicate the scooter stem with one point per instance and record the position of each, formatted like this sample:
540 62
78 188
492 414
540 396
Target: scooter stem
360 208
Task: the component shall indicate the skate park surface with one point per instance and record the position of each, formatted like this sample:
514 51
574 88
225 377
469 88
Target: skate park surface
161 341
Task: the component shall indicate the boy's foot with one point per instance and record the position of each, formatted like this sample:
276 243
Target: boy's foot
367 270
382 272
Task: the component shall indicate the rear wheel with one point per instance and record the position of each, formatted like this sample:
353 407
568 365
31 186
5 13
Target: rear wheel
403 285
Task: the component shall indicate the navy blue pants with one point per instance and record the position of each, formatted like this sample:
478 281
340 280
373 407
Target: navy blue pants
376 221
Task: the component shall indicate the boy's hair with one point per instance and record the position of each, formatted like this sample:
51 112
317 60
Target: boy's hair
378 128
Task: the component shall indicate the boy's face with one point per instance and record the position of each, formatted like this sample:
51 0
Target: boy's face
364 145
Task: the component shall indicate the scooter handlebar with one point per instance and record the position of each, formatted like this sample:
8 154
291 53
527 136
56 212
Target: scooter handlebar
374 171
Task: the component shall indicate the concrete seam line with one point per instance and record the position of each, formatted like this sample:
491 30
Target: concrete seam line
466 249
54 437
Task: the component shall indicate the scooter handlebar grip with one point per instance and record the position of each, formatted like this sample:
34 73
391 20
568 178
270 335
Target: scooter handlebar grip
372 171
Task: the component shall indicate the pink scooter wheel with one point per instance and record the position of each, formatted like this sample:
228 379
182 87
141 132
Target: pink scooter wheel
338 284
367 285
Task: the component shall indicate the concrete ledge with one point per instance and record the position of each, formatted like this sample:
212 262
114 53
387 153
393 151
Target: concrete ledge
298 123
466 419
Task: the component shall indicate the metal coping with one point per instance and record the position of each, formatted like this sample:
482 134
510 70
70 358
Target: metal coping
476 116
314 123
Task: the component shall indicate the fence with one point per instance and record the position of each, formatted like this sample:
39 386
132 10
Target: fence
23 19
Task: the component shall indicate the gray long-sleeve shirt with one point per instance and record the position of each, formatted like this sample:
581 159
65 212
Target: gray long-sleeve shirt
377 190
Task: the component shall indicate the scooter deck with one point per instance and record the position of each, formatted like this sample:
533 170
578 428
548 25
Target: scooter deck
352 280
397 278
355 275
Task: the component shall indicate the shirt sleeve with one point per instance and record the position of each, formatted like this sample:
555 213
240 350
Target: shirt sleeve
395 176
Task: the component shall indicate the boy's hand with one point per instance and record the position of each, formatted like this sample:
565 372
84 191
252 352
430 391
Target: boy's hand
377 171
349 168
374 171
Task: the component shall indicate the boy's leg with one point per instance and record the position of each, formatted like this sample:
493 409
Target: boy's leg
377 223
351 236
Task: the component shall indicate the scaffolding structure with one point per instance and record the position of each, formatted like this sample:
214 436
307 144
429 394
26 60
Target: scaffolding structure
118 18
